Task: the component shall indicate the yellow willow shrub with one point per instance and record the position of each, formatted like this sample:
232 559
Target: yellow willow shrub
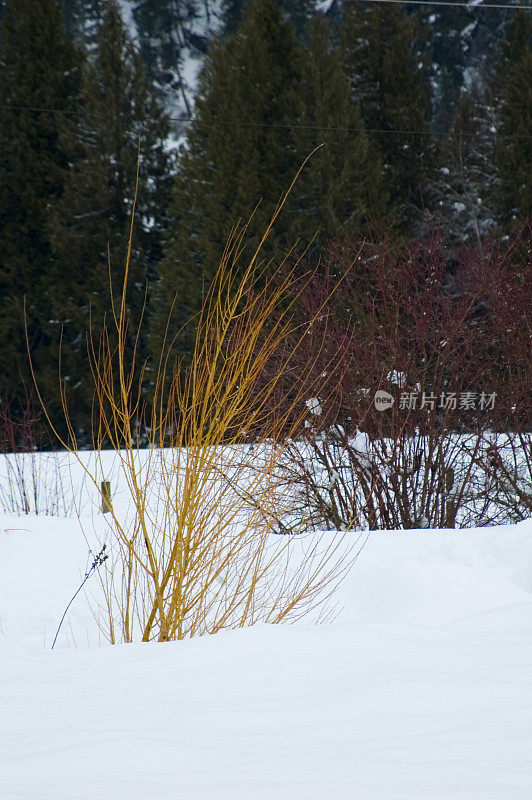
195 552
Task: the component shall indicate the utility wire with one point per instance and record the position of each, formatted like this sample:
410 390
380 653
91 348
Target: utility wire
342 130
474 6
281 125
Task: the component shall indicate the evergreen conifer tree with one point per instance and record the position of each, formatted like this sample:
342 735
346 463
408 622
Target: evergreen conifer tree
38 70
241 150
464 185
512 152
164 30
299 12
342 186
82 20
386 68
118 116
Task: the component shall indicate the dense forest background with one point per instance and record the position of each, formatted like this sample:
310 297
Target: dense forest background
423 113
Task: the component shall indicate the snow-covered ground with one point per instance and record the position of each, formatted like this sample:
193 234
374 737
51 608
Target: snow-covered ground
420 688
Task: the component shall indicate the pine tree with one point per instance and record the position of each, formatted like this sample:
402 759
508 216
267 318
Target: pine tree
91 227
464 40
82 20
38 70
464 186
386 68
241 149
299 12
512 153
342 185
164 31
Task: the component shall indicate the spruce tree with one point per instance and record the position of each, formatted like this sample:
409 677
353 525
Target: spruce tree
38 70
342 185
512 152
463 188
118 118
241 150
299 12
464 41
164 31
82 20
386 68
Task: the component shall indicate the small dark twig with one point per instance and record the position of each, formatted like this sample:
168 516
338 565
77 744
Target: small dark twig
97 562
11 530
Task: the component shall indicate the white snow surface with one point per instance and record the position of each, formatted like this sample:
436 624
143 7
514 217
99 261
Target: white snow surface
420 688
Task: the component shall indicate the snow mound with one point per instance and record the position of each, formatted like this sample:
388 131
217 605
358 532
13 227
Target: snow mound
420 688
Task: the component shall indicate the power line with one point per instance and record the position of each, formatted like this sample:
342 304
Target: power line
392 131
280 125
39 109
474 6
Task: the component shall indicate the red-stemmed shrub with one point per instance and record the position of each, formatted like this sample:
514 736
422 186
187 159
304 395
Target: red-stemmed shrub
447 336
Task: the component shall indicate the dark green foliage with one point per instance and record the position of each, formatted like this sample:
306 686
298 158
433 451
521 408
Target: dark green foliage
385 64
299 12
264 104
232 14
82 20
342 186
466 180
512 153
164 32
92 220
241 149
464 42
39 68
450 31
